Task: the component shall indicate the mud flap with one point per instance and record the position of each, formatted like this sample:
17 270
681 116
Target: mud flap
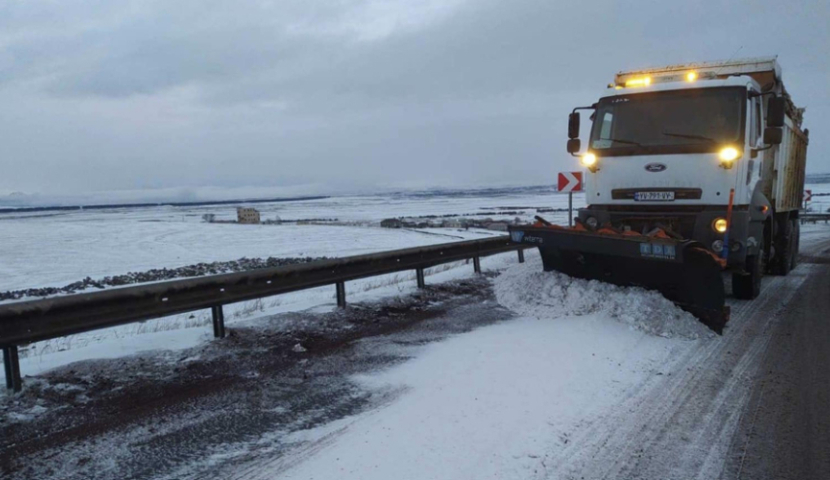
682 270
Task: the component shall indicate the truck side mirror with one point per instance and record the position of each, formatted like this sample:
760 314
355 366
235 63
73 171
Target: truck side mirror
573 125
574 145
773 135
775 112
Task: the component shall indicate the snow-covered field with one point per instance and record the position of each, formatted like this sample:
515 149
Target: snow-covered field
42 249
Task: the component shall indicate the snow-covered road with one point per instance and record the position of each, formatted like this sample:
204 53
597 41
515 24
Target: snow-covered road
463 381
498 402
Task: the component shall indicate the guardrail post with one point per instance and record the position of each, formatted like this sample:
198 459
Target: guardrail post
419 274
11 362
341 294
521 255
218 321
477 264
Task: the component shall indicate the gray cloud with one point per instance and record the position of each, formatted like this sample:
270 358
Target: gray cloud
165 94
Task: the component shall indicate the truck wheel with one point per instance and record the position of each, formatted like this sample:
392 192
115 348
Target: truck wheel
796 242
747 286
782 262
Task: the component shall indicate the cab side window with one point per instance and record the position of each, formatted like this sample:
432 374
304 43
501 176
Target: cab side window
757 121
605 130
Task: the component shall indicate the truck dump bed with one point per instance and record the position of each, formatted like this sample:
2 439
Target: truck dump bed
785 167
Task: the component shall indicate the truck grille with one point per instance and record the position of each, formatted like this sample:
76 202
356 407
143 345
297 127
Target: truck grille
644 218
682 224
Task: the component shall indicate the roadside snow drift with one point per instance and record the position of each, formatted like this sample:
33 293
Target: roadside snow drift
529 291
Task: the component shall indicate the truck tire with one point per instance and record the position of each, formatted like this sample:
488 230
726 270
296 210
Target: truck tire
796 242
783 259
747 286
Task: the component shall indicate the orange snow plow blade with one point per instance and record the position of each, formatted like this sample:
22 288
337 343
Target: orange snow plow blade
684 271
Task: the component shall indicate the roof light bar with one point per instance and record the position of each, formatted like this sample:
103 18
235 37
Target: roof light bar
638 82
645 81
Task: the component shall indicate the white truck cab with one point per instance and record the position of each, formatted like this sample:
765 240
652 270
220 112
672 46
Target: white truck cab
678 150
697 149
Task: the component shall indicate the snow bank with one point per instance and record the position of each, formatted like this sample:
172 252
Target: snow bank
529 291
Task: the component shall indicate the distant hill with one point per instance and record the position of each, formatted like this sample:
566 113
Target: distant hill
817 178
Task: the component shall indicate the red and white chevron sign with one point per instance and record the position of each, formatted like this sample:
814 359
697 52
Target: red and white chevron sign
808 195
570 182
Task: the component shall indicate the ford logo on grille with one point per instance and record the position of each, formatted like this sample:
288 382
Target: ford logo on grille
655 167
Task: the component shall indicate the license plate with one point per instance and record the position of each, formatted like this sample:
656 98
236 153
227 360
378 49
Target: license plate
654 196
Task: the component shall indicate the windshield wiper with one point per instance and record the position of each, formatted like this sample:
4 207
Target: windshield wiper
630 142
684 135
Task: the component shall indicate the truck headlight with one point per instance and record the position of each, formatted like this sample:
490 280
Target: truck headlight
728 156
720 225
591 222
589 161
717 246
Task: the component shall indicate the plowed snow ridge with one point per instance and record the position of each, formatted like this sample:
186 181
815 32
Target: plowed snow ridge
529 291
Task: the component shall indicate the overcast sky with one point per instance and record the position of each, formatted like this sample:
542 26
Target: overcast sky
100 95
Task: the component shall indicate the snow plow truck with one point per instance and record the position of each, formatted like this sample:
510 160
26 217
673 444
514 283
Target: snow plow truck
692 170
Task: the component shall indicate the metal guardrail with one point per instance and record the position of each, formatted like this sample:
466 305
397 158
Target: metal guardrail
31 321
814 217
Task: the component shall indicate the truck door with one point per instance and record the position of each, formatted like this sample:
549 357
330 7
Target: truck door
754 166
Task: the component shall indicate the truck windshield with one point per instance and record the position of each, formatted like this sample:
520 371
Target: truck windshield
679 121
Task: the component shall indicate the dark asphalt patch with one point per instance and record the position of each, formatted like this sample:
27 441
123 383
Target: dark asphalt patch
785 428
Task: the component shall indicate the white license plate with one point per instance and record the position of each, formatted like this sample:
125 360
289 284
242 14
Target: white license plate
654 196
